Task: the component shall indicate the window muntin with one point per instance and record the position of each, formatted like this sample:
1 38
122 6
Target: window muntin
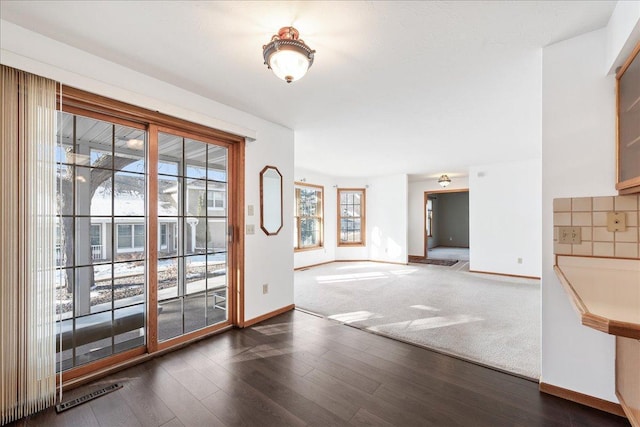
351 214
308 216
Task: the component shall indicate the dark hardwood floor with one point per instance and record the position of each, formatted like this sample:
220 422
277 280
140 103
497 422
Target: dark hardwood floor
298 369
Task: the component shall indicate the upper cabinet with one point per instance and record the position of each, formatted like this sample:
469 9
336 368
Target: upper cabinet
629 125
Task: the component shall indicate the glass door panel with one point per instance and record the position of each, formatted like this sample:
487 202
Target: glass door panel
101 246
192 235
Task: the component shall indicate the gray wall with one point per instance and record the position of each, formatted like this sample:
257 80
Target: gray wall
450 220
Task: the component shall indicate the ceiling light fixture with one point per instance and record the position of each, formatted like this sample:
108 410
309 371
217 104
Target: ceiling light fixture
444 180
287 56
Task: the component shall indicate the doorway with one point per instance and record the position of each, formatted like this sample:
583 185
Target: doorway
446 224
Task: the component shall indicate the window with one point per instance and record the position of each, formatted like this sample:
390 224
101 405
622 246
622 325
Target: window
351 212
96 235
130 236
215 199
308 217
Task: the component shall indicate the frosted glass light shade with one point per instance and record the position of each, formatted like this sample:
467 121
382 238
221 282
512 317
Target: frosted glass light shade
289 65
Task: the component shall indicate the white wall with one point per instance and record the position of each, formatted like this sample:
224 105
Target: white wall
505 218
578 158
416 209
387 219
623 32
268 259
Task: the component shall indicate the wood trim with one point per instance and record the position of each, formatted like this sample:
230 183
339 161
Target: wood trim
363 219
152 240
505 274
100 116
425 238
238 243
193 336
98 365
91 102
583 399
267 232
389 262
627 63
630 186
269 315
627 377
297 217
313 265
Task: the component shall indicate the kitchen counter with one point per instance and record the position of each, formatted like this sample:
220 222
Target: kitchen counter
605 292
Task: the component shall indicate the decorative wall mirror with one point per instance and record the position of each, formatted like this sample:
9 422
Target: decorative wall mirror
270 200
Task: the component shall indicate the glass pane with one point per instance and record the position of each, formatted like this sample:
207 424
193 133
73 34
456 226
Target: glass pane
216 271
195 153
216 235
64 187
216 199
124 238
167 278
93 185
195 312
169 319
101 293
169 195
167 239
65 230
195 273
129 194
64 292
216 306
138 235
629 121
128 283
85 278
64 138
169 154
94 140
217 163
129 149
196 198
93 337
195 239
129 327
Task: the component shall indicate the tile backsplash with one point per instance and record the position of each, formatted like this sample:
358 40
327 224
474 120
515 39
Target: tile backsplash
590 214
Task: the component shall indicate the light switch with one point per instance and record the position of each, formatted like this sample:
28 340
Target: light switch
616 221
570 235
250 210
251 229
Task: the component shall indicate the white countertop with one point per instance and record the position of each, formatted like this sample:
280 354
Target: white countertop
605 291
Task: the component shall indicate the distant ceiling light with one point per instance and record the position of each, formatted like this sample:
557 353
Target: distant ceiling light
135 144
444 180
287 56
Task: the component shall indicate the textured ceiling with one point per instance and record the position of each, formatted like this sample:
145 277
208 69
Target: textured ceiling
396 87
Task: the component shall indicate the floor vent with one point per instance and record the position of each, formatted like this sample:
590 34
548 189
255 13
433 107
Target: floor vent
87 397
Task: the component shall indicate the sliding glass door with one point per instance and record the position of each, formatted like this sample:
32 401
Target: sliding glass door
143 254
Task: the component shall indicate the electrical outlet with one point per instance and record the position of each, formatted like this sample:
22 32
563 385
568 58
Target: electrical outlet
519 260
265 288
616 221
250 210
570 235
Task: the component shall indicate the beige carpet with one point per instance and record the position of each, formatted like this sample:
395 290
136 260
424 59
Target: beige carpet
491 320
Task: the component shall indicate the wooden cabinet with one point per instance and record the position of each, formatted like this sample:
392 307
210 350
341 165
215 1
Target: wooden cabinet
629 125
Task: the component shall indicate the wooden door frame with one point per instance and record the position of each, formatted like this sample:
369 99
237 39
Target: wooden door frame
425 238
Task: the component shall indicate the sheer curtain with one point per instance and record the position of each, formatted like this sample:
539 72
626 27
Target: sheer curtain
27 244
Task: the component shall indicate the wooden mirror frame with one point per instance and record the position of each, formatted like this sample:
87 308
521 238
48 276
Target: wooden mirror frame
266 201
